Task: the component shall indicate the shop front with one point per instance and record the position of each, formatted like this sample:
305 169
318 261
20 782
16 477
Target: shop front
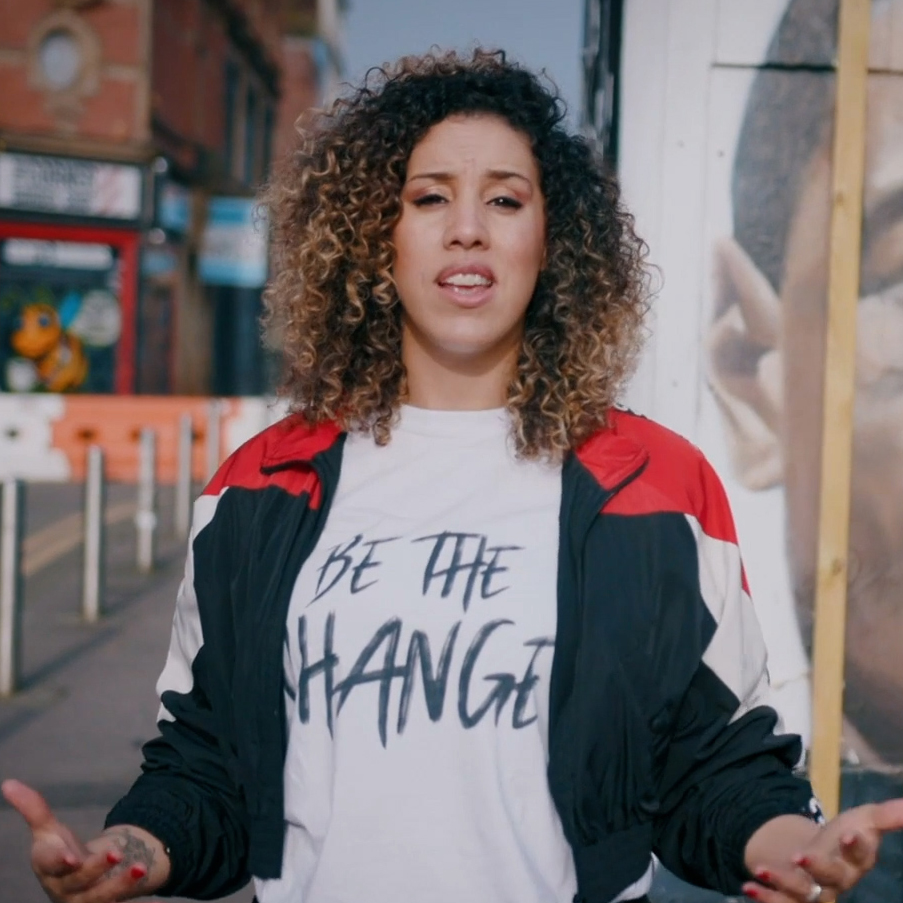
69 271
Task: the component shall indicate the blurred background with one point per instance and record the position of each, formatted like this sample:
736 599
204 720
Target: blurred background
134 136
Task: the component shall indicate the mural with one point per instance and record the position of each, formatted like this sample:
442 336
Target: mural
60 318
767 341
768 146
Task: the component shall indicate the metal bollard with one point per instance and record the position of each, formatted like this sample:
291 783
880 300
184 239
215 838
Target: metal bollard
183 478
12 509
214 437
95 498
146 516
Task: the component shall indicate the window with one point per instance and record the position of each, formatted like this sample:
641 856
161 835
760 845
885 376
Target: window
64 59
250 169
230 96
60 59
269 126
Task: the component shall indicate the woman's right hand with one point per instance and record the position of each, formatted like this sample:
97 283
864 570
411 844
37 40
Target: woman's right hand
124 862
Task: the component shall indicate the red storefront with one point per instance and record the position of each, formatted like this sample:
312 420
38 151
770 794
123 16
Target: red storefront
69 258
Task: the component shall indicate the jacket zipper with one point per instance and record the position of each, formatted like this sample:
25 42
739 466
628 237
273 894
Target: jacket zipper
607 495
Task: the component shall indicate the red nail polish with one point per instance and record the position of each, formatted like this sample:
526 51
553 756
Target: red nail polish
764 875
752 893
113 857
137 872
803 862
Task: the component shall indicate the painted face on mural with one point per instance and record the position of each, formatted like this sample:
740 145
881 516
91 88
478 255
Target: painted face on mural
767 355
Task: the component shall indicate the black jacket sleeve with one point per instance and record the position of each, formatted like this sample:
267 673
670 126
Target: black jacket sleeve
728 768
188 796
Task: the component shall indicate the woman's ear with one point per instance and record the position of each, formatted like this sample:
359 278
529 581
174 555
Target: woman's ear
745 368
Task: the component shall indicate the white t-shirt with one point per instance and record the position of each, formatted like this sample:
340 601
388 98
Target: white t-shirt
418 652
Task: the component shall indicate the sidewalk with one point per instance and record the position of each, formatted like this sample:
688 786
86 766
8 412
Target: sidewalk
88 701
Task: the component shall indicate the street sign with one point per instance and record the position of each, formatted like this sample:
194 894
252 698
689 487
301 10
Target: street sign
234 250
69 186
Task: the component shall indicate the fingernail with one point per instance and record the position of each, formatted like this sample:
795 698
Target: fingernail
849 840
764 875
113 857
137 872
802 861
751 892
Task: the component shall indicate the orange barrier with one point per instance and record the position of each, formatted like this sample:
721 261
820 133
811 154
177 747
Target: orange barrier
115 424
46 437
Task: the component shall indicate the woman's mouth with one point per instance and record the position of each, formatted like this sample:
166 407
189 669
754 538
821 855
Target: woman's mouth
467 288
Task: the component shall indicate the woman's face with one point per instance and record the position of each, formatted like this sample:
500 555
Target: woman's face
470 241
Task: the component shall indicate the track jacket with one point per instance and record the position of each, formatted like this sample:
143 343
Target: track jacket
660 736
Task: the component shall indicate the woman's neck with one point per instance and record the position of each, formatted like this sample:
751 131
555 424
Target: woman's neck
450 382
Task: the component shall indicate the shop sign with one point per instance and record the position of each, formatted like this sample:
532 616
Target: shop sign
69 186
159 262
234 250
174 208
71 255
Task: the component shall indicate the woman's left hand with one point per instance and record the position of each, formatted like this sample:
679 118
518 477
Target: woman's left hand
834 859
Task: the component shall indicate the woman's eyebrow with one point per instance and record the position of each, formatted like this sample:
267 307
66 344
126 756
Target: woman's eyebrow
495 175
432 176
502 175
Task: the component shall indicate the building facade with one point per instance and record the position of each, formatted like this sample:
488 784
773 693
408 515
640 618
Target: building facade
313 63
133 136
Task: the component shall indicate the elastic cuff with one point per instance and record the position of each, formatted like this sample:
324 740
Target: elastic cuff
166 823
796 800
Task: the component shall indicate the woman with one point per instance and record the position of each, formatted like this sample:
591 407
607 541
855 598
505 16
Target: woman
460 629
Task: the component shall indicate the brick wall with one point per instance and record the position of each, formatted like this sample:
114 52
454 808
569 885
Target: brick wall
300 91
192 42
189 52
160 61
106 102
265 19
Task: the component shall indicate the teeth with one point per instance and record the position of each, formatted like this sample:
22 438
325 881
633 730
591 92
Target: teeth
468 280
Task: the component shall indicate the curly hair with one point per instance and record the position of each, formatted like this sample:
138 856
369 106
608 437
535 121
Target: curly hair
333 206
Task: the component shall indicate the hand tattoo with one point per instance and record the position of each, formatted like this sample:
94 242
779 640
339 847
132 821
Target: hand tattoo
134 851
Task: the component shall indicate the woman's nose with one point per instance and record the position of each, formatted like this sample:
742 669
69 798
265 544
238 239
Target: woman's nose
466 226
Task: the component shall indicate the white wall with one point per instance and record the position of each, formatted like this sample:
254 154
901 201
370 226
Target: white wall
687 69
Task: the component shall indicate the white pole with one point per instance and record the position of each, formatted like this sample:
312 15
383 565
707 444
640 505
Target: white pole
183 478
214 439
92 588
146 516
11 524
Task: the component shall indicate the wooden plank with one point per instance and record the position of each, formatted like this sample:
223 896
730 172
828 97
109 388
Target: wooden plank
839 392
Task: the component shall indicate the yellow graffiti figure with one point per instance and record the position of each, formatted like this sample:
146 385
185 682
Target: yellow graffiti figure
58 357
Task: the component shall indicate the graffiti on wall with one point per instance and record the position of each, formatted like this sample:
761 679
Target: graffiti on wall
60 317
766 340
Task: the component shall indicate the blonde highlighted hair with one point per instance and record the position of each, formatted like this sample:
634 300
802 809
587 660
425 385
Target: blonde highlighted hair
334 204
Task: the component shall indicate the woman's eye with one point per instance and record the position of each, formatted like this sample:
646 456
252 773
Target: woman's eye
507 202
428 200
